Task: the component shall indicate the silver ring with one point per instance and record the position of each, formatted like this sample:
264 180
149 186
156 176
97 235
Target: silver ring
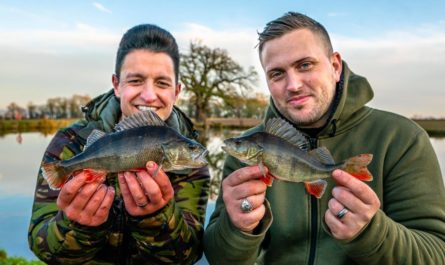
246 206
342 213
142 205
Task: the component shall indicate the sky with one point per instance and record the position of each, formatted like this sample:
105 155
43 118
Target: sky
60 48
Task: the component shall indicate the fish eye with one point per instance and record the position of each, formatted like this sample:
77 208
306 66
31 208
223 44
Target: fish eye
192 147
237 141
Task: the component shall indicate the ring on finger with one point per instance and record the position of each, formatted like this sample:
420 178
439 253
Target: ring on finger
143 205
246 206
342 213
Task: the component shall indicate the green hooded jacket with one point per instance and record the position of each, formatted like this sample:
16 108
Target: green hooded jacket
172 235
409 228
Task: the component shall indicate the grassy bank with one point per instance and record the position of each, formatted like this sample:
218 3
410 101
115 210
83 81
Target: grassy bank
435 128
5 260
46 126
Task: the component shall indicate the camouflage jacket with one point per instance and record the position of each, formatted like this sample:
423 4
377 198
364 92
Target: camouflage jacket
173 235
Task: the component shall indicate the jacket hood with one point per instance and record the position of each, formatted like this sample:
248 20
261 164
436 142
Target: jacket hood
103 112
352 93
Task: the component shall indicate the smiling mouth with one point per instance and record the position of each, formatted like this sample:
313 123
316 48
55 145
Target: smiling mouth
146 108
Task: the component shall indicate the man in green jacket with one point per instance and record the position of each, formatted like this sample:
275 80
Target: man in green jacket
132 217
397 218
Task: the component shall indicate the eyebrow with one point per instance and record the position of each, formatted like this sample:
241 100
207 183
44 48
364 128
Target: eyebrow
293 64
304 59
131 75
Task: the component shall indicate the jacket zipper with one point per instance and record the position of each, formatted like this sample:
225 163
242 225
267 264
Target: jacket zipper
314 217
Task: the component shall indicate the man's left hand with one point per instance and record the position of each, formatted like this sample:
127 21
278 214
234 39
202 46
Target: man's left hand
359 199
144 193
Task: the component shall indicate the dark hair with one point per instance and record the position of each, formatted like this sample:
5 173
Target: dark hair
289 22
149 37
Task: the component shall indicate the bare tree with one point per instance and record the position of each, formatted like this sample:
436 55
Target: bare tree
210 75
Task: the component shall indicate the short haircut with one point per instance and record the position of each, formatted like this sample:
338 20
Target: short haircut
148 37
289 22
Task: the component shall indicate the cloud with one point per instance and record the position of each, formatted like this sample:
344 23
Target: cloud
78 38
398 64
101 8
404 68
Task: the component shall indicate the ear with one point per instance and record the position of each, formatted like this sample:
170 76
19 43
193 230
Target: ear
337 65
115 81
178 89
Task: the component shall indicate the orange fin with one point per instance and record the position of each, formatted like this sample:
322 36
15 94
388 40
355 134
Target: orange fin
357 167
316 188
94 175
267 179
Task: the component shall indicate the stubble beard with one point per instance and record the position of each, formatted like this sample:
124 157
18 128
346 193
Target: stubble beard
319 110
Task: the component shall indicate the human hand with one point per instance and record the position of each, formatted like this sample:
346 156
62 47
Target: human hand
244 183
85 202
144 193
359 199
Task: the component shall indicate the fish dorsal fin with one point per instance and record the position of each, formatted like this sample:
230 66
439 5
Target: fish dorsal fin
285 130
93 137
323 155
139 119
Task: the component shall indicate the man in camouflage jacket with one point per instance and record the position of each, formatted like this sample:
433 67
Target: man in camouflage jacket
170 235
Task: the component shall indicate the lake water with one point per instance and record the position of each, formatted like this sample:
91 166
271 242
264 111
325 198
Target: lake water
20 156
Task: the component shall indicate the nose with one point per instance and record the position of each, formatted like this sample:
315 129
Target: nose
294 82
148 93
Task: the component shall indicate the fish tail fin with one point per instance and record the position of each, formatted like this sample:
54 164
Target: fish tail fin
55 174
357 166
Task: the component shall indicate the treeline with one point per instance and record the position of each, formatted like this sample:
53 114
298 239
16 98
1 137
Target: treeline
214 85
55 108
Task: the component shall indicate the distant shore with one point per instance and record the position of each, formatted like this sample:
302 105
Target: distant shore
434 127
47 126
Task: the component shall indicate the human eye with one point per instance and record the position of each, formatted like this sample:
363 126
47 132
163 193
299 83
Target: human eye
275 75
163 83
134 81
305 66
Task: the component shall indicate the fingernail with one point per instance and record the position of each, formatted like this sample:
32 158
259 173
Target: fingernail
121 178
151 164
101 186
111 189
334 192
336 173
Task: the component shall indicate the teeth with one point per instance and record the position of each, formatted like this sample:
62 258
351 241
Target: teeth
145 108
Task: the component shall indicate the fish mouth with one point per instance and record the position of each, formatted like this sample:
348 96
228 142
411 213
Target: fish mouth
228 150
204 154
201 158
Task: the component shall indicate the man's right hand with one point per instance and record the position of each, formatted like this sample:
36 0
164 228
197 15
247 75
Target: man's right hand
244 183
87 203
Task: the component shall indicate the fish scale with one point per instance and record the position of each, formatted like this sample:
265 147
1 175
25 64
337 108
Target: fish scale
138 139
285 152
